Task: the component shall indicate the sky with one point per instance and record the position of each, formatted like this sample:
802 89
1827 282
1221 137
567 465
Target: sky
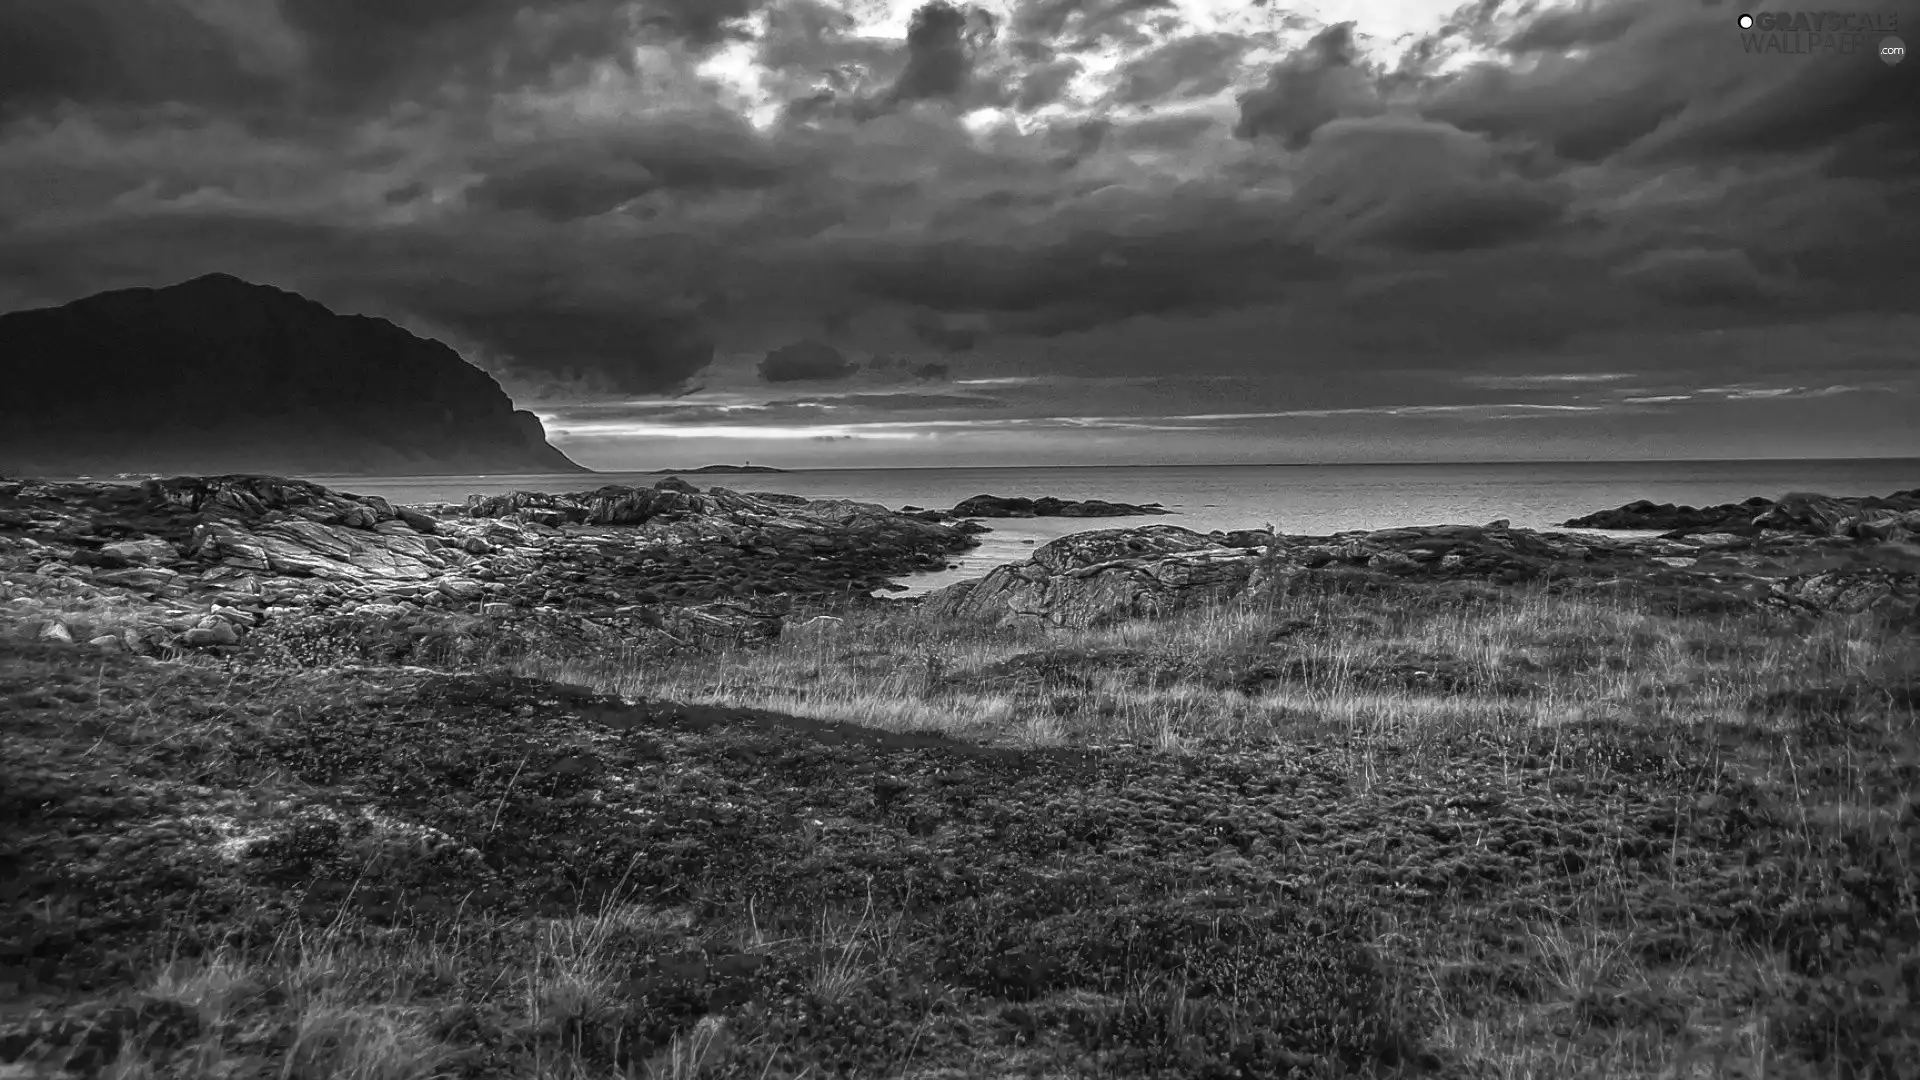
872 233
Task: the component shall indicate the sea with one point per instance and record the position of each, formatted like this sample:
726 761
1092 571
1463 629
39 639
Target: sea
1307 500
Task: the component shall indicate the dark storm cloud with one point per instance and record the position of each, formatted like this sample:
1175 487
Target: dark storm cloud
1044 83
1418 185
583 174
1163 132
316 58
804 361
1670 82
365 54
1560 29
932 329
941 44
1207 254
127 51
1718 278
1311 87
1189 67
566 208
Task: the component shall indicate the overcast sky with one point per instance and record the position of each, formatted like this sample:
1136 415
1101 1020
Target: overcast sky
869 232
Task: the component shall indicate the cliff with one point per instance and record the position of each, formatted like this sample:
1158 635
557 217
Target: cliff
221 375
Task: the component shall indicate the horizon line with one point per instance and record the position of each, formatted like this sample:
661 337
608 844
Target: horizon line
1291 464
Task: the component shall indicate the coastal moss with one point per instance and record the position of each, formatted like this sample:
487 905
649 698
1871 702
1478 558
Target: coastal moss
1357 828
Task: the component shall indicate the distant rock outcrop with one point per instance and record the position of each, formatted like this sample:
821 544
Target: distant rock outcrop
1873 517
218 375
1092 578
995 506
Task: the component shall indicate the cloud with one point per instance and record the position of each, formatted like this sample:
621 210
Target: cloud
700 23
805 361
941 44
944 334
1310 88
1419 185
619 198
1129 254
1044 83
581 174
1669 82
1084 25
129 51
1194 66
1725 278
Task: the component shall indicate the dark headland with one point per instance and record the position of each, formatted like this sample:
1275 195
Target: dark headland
220 375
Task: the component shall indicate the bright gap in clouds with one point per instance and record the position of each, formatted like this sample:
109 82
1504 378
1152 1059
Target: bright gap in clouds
1385 27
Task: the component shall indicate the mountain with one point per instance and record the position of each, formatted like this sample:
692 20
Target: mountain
220 375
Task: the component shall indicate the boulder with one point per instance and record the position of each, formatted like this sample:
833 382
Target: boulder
1095 577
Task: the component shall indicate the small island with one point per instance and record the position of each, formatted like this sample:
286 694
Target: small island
995 506
718 469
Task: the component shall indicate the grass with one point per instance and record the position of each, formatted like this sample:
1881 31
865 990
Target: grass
1356 828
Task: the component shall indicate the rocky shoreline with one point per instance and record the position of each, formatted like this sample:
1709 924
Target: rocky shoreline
1807 553
210 562
309 575
1873 517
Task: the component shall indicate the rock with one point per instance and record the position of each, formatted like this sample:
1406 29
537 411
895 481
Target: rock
417 521
1805 512
1095 577
462 589
220 632
104 641
496 610
234 615
173 381
56 631
1241 538
994 506
148 552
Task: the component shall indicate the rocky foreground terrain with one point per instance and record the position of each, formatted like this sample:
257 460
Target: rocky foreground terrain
1808 554
215 562
206 562
304 784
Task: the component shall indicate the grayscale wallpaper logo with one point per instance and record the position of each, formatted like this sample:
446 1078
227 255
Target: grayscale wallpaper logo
1812 33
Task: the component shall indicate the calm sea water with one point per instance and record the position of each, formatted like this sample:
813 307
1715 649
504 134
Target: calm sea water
1301 499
